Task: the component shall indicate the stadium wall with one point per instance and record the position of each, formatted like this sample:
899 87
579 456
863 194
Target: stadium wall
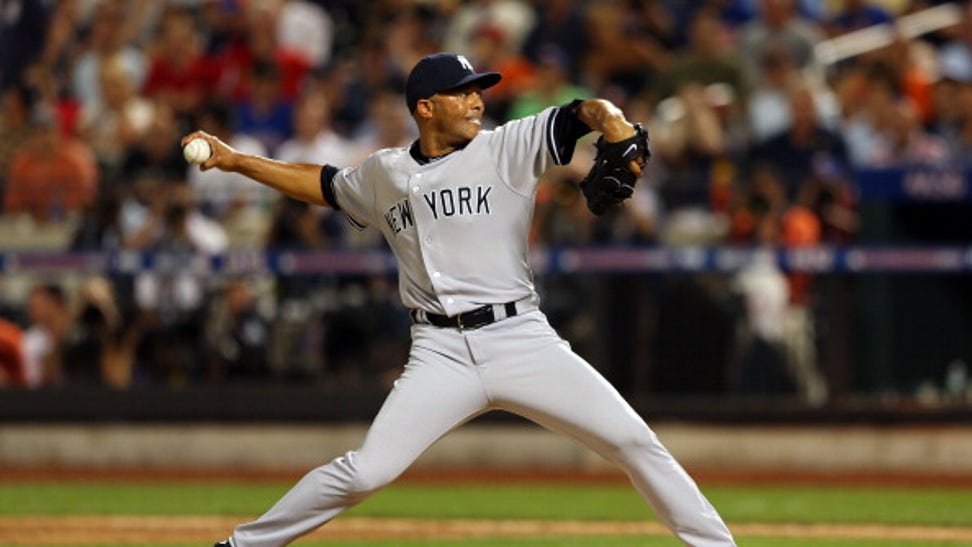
815 449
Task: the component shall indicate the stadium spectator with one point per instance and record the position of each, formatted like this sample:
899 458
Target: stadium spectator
305 27
237 336
492 51
255 42
666 22
411 33
63 38
776 350
157 154
264 113
904 139
759 365
120 120
51 175
708 58
49 321
619 54
350 85
180 75
108 40
387 125
314 139
798 151
914 65
23 30
779 24
12 373
560 25
768 107
552 85
956 127
952 98
295 225
699 145
98 349
16 103
463 24
100 228
704 92
801 226
699 129
953 75
955 55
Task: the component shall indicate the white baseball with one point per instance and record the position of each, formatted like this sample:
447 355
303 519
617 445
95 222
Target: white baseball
197 151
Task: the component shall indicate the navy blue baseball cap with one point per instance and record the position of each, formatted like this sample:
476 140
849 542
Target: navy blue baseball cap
443 72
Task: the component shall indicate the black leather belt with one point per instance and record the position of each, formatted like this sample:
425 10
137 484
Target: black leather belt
472 319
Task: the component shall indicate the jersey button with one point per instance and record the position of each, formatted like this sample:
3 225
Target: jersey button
415 189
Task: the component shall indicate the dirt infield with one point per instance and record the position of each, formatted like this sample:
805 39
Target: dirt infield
77 530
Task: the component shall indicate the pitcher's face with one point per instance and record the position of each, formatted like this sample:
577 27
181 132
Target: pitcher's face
458 114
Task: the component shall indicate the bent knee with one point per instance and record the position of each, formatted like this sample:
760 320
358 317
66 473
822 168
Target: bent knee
368 484
637 445
368 479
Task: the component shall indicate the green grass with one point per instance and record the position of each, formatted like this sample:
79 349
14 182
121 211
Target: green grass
929 506
932 506
769 504
137 498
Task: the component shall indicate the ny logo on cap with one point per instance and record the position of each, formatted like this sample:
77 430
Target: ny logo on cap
465 63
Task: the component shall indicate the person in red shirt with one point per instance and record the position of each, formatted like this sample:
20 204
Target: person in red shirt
256 44
11 355
180 75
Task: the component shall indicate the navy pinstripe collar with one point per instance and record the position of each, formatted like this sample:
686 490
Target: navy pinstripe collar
416 152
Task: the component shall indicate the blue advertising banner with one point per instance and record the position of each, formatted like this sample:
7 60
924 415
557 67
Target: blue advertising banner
596 260
928 183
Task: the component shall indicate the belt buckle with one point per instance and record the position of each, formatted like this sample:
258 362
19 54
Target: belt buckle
473 318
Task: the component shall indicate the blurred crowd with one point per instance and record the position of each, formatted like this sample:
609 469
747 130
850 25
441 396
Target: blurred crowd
755 139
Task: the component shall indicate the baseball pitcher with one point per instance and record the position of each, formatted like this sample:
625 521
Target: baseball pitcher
455 208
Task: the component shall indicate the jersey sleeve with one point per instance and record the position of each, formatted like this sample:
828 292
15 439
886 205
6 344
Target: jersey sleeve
347 190
527 147
566 128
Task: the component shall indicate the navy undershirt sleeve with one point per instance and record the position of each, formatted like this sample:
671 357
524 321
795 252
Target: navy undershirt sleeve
327 185
563 131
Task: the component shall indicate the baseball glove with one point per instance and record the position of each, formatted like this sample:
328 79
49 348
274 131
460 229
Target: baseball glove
610 181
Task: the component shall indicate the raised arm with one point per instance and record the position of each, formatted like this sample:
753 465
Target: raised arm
301 181
622 151
606 118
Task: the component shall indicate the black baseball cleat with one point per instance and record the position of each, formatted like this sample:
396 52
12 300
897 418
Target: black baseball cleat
225 543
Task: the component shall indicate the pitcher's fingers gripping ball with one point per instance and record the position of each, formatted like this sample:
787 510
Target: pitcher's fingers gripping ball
197 151
612 178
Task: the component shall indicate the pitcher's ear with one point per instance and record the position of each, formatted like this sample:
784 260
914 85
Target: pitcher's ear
423 108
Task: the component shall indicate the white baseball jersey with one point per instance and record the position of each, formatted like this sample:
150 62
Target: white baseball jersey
459 225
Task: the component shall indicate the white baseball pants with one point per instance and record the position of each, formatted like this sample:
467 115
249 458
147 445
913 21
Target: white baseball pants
519 365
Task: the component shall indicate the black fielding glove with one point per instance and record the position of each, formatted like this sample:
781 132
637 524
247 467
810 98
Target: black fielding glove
610 181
